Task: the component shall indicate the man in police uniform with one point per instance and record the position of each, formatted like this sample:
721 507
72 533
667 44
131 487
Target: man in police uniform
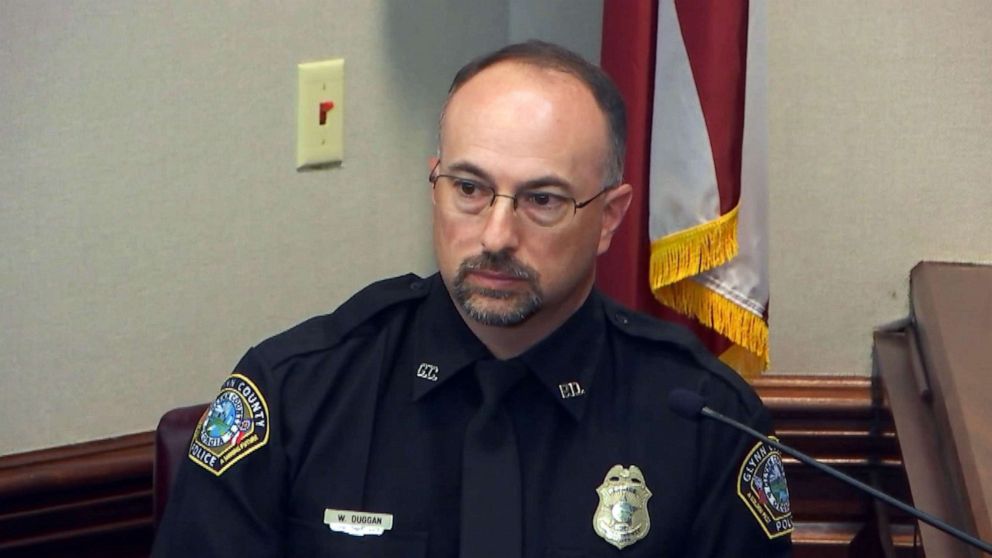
502 407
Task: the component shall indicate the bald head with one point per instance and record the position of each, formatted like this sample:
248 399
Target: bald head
523 111
554 60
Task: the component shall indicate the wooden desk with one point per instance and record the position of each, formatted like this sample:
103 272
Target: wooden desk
937 372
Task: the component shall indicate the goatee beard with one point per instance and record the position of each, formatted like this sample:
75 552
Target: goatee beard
522 305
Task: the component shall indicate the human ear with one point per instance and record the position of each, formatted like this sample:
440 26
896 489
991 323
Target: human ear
614 209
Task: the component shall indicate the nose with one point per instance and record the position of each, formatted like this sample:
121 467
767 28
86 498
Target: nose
500 231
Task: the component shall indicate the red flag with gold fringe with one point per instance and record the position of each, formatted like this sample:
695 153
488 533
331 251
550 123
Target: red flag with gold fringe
694 71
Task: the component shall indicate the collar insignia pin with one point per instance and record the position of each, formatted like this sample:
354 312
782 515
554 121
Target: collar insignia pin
427 371
571 389
621 517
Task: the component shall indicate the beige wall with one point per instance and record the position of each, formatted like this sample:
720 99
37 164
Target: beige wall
880 120
153 224
576 23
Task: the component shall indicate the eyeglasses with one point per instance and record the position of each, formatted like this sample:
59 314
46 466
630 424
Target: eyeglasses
471 196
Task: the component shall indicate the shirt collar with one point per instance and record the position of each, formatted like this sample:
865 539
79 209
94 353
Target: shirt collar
567 360
442 344
564 362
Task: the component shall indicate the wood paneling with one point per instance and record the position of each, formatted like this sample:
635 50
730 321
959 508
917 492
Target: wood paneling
91 499
843 422
95 499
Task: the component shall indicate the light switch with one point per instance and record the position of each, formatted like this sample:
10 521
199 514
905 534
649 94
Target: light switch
320 114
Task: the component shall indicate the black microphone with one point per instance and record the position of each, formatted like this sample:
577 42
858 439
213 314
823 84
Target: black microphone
691 405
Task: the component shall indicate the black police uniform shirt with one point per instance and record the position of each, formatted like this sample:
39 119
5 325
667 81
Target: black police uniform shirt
366 408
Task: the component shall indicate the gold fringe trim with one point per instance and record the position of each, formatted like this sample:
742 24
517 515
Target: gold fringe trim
691 251
725 317
744 362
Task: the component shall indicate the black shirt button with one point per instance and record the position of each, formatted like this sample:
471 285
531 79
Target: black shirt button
622 318
416 285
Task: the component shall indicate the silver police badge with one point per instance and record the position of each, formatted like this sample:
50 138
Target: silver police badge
621 518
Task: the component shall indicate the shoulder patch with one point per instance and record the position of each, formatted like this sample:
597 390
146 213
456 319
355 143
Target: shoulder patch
235 424
761 485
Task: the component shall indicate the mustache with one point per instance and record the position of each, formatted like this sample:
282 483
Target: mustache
499 262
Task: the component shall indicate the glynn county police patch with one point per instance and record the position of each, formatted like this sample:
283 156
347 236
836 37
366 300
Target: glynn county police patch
234 425
761 485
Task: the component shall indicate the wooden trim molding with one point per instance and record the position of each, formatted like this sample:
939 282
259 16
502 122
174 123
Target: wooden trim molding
90 499
95 499
843 421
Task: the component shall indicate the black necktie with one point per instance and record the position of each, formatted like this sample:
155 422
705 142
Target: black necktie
491 514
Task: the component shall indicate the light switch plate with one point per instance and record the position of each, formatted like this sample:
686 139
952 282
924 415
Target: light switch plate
320 114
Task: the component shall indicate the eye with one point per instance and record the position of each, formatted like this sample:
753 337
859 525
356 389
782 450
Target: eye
467 188
543 200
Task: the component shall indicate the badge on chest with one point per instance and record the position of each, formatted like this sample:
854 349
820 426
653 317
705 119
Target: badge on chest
621 517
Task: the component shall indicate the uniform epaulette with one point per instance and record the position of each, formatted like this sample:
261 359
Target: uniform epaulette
322 332
650 328
647 327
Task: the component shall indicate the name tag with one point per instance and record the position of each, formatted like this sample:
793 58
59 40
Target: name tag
358 523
